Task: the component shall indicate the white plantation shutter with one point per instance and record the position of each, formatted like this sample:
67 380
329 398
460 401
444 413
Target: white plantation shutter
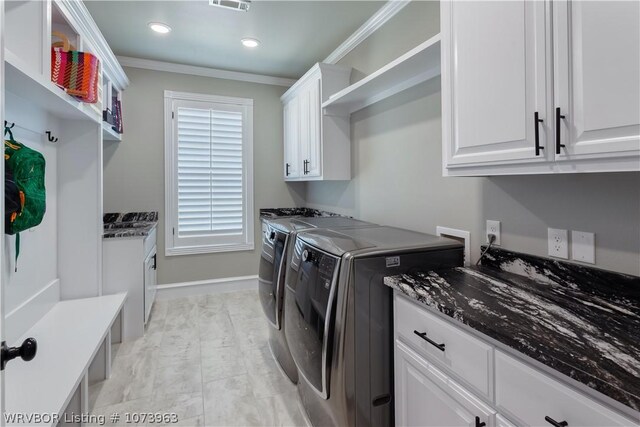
210 175
209 172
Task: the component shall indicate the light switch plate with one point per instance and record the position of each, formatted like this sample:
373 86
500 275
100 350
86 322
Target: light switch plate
583 246
558 243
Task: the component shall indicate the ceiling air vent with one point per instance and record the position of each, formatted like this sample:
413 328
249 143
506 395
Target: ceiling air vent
241 5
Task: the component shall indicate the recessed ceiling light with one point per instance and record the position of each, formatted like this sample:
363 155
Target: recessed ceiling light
250 42
159 27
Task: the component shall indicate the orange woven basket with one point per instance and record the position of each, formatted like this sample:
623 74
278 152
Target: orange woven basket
76 72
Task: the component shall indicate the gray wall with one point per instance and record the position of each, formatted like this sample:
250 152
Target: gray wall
397 154
134 168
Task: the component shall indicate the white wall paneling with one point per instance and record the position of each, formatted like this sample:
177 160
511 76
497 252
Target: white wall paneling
80 216
38 262
61 258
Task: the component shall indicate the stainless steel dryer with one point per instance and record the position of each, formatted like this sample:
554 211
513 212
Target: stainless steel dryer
276 237
339 320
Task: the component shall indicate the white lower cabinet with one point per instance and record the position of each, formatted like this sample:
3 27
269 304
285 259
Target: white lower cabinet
533 398
129 265
150 280
438 388
501 421
430 398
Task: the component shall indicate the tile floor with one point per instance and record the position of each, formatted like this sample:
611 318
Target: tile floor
205 358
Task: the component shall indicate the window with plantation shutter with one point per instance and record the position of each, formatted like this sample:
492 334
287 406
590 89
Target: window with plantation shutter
209 173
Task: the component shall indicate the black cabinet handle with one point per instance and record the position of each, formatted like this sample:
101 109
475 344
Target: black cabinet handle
287 169
536 122
27 351
423 335
480 424
558 117
555 423
306 170
155 261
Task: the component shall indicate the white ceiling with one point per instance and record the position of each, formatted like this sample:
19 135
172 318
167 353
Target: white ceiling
294 34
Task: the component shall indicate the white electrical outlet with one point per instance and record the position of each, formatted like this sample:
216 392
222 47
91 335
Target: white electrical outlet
558 243
583 247
493 227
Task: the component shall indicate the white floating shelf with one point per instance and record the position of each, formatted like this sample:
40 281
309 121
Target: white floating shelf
32 87
416 66
108 134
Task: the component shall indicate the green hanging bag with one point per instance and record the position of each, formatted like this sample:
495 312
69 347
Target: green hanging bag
27 167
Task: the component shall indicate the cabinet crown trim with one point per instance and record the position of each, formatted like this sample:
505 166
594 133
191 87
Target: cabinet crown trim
318 67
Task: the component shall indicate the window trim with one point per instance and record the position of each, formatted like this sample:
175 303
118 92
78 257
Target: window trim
170 182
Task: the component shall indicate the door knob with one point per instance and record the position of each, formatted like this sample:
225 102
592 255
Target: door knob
27 351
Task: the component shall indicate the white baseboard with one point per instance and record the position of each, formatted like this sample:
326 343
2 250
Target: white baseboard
23 317
204 287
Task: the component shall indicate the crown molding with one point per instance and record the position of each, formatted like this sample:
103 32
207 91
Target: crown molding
85 24
171 67
377 20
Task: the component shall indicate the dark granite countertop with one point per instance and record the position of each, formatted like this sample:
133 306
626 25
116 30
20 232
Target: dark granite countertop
580 321
130 224
271 213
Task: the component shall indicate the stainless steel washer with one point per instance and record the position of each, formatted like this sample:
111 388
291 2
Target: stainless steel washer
275 244
339 320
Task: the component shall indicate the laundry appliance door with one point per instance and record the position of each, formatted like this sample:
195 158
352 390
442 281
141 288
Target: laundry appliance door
271 273
308 312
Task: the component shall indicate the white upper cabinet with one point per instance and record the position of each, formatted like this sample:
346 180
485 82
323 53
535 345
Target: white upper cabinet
310 134
291 139
493 71
597 78
316 146
523 96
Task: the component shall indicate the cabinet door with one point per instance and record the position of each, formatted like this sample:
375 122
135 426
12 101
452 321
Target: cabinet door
149 284
291 139
310 127
427 397
494 68
597 64
529 396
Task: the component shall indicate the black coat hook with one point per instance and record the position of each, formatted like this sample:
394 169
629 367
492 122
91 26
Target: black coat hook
50 137
6 125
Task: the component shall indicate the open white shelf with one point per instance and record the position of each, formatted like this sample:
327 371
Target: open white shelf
42 92
108 134
416 66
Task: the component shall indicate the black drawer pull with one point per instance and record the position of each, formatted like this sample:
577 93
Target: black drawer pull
555 423
382 400
480 424
559 116
287 169
423 335
536 123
